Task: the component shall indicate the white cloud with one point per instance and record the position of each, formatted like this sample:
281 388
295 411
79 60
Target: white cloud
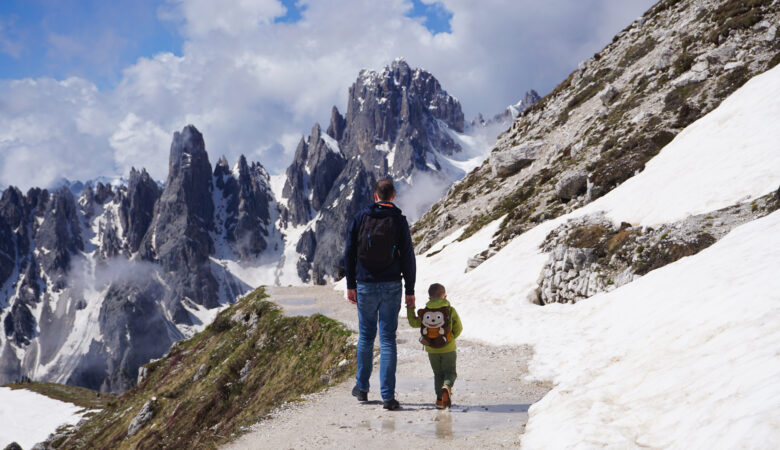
253 86
233 17
50 129
139 143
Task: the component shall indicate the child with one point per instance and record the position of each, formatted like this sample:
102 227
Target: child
442 358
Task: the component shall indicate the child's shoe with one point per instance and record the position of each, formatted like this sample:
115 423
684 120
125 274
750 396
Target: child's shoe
446 396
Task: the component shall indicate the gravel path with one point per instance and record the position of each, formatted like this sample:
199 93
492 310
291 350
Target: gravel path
490 397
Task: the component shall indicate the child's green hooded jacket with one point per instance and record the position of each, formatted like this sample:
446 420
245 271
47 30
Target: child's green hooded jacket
455 325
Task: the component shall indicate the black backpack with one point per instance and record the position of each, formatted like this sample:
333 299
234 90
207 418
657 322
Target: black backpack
378 242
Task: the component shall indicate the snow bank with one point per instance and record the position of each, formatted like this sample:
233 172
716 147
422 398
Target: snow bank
28 418
686 356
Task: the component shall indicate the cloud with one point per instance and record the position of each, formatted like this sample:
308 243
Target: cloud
51 128
204 17
137 143
254 86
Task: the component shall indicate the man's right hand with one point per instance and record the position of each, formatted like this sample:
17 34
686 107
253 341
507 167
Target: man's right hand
352 296
410 301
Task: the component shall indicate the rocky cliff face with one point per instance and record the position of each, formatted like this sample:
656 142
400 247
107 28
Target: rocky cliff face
603 123
401 124
95 286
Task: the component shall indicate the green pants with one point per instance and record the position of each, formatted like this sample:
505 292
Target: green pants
443 365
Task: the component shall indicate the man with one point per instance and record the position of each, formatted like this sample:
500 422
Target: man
379 251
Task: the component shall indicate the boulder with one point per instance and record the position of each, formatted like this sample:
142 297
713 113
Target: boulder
509 162
571 185
664 59
690 77
142 418
608 94
722 54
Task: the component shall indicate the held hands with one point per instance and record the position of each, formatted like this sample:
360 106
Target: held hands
352 297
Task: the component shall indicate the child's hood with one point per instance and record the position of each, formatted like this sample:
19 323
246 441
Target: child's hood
437 303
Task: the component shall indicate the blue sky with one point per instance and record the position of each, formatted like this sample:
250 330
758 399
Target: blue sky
93 39
96 39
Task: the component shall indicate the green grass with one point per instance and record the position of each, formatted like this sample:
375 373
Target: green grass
732 81
636 52
288 357
683 63
675 99
79 396
773 62
736 15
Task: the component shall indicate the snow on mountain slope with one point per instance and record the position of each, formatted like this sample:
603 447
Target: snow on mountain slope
687 354
685 357
28 418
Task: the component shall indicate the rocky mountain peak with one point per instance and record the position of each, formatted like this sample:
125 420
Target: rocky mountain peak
178 237
337 124
399 124
137 208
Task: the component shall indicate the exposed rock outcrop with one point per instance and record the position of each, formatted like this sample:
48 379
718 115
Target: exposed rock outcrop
178 237
591 254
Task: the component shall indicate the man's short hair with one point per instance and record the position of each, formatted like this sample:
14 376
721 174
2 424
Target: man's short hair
436 291
385 190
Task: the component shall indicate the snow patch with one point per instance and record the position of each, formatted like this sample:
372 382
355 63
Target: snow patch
330 143
28 418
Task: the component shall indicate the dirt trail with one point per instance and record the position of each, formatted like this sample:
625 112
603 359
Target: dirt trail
491 399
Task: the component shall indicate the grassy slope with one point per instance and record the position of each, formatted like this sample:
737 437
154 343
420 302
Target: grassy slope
79 396
285 356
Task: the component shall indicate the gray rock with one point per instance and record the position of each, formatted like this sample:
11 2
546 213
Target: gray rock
664 59
244 374
143 417
608 94
763 25
690 77
771 34
201 372
178 239
722 54
137 207
571 185
509 162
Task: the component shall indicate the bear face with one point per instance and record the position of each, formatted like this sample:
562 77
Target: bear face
433 319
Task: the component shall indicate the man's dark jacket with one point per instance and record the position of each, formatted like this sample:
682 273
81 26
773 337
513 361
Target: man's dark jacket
404 264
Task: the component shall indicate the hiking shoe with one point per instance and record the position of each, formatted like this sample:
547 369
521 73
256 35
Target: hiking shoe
362 396
439 404
391 405
446 396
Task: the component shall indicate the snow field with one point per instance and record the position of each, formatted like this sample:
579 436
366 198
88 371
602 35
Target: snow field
28 418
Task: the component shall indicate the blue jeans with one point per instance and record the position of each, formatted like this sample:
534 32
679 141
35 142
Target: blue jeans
380 301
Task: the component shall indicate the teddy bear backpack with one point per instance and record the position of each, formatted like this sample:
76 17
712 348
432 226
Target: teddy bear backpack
435 330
